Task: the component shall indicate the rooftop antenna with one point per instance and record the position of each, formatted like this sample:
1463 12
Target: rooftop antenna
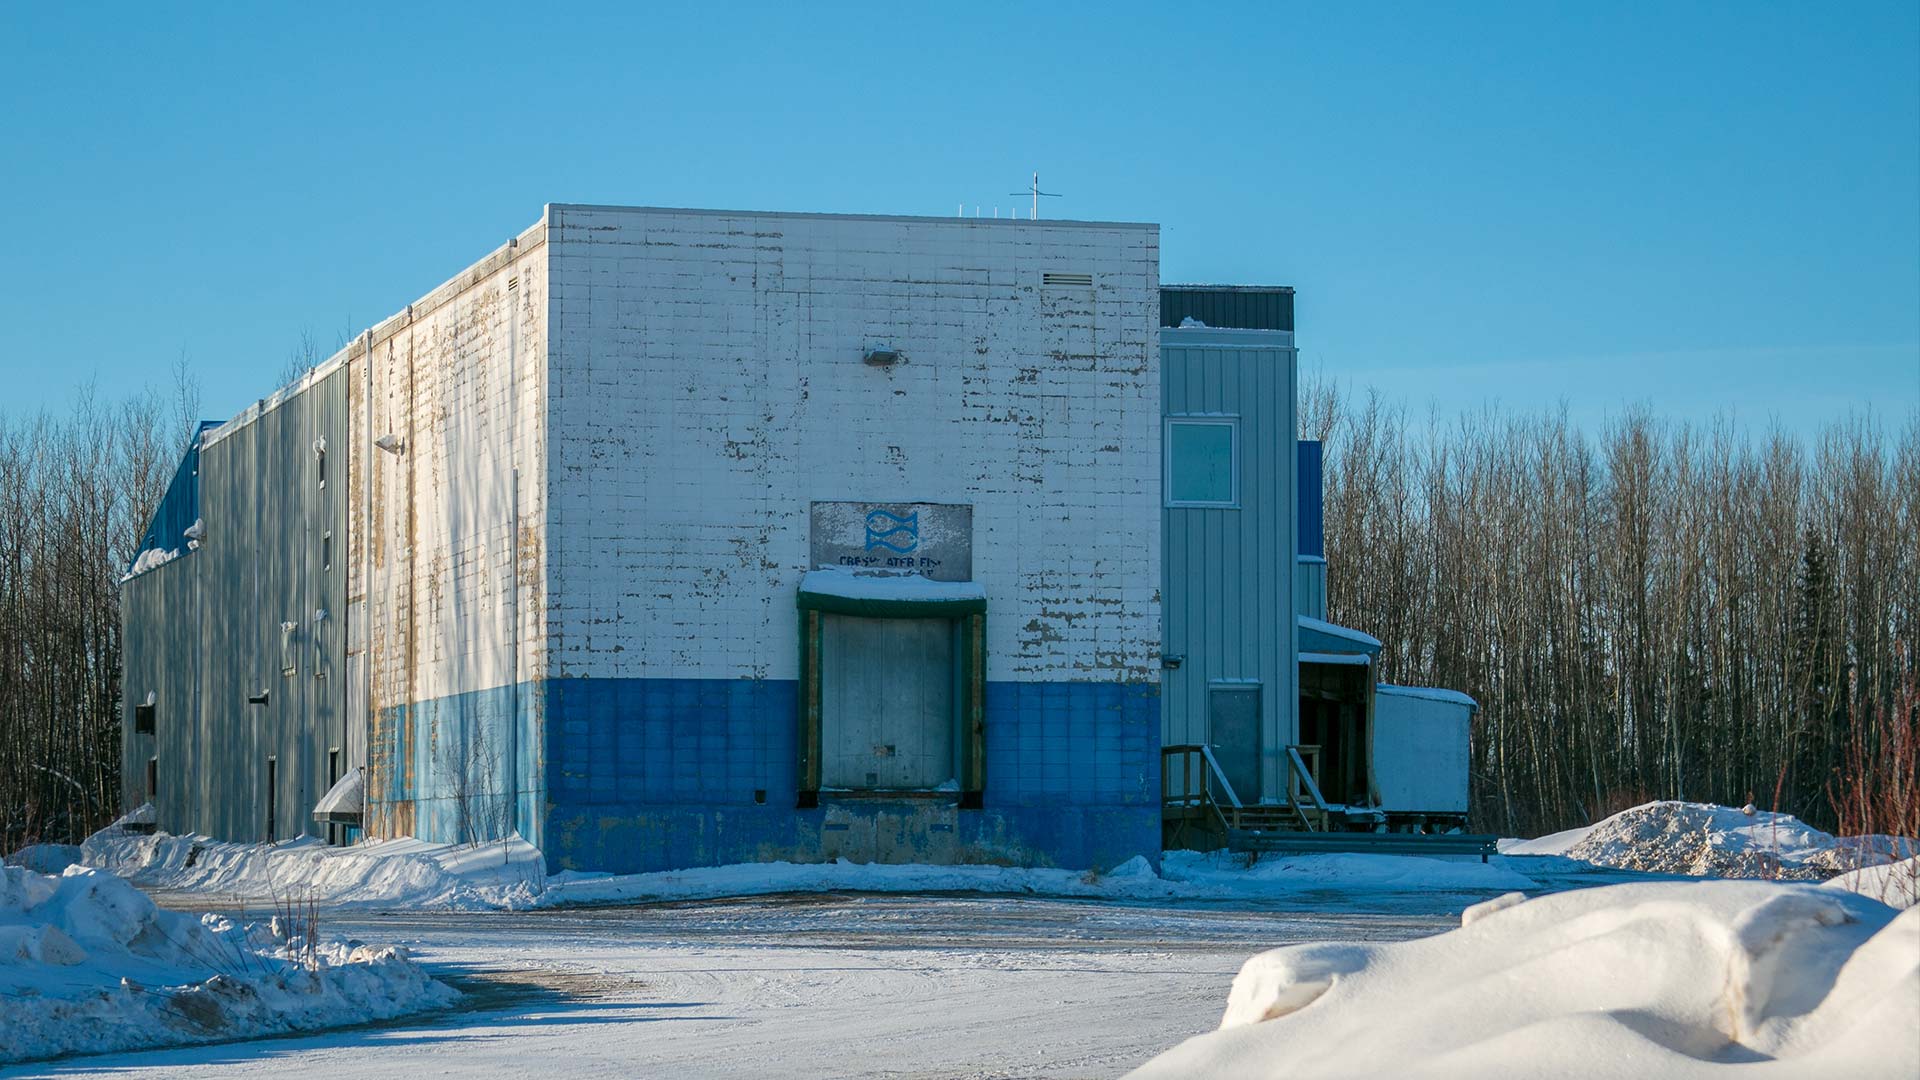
1037 195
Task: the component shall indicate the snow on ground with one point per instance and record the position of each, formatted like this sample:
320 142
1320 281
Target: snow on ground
506 874
1705 840
88 963
1896 884
509 876
45 858
1670 979
1551 844
873 987
1184 875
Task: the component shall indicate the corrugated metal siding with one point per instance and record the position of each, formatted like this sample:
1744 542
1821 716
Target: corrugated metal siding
1243 307
1229 574
204 631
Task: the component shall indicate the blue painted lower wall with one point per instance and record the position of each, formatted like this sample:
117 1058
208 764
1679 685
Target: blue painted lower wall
640 775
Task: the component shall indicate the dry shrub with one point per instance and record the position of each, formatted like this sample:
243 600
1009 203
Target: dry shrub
1876 791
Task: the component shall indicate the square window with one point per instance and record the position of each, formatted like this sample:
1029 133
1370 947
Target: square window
1201 461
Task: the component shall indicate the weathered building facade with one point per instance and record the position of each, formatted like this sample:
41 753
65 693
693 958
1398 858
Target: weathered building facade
604 542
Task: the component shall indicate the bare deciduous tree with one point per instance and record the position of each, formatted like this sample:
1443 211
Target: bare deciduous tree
1659 610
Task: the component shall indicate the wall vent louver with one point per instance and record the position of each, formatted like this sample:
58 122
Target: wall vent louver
513 283
1051 278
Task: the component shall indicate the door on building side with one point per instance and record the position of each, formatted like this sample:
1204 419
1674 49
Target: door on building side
887 703
1233 730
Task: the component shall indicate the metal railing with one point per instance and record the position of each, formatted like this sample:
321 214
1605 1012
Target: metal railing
1205 794
1298 777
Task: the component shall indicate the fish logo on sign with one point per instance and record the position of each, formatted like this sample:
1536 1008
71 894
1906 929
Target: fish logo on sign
900 535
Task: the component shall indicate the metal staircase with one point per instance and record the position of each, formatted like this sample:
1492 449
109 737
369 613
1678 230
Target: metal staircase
1195 794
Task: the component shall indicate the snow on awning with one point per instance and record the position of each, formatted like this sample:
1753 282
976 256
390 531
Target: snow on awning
345 800
1335 658
1428 693
1319 635
869 592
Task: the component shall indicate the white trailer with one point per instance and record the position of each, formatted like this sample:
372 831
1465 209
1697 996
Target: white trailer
1420 756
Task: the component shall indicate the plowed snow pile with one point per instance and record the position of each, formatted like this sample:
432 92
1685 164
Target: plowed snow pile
1668 979
405 872
88 963
1705 840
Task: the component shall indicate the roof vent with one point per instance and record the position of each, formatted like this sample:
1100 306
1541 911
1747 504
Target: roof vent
1066 279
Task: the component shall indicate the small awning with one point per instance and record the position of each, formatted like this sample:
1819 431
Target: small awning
345 800
866 592
1321 636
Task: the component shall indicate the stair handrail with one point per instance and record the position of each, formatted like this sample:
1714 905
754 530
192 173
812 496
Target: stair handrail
1300 769
1220 774
1233 798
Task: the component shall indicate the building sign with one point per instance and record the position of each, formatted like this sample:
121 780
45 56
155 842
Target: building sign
934 540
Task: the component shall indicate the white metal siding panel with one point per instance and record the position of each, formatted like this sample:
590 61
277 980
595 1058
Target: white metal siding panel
1420 753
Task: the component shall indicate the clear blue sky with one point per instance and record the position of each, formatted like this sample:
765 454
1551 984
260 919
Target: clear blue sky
1701 206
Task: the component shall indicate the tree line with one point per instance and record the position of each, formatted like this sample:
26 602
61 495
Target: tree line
1656 609
76 493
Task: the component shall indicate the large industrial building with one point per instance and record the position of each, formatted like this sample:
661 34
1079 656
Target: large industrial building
669 538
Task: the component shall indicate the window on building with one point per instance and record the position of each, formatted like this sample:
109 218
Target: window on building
143 717
320 460
153 778
273 798
1202 463
289 661
326 551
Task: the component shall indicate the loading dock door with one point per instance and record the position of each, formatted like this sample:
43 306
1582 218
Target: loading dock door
1233 728
887 703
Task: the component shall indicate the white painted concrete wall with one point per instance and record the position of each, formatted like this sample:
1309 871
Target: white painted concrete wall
461 380
707 384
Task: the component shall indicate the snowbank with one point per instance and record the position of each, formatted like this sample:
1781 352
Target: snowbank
1184 875
1896 884
45 858
410 873
1552 844
87 962
387 873
1670 979
1704 840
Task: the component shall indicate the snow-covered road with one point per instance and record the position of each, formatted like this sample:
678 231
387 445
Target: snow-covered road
816 985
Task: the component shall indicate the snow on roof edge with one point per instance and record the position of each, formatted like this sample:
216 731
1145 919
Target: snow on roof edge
874 585
1428 693
1336 630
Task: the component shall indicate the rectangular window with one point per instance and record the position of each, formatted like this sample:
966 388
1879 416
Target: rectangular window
1202 461
143 717
289 661
326 551
153 778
